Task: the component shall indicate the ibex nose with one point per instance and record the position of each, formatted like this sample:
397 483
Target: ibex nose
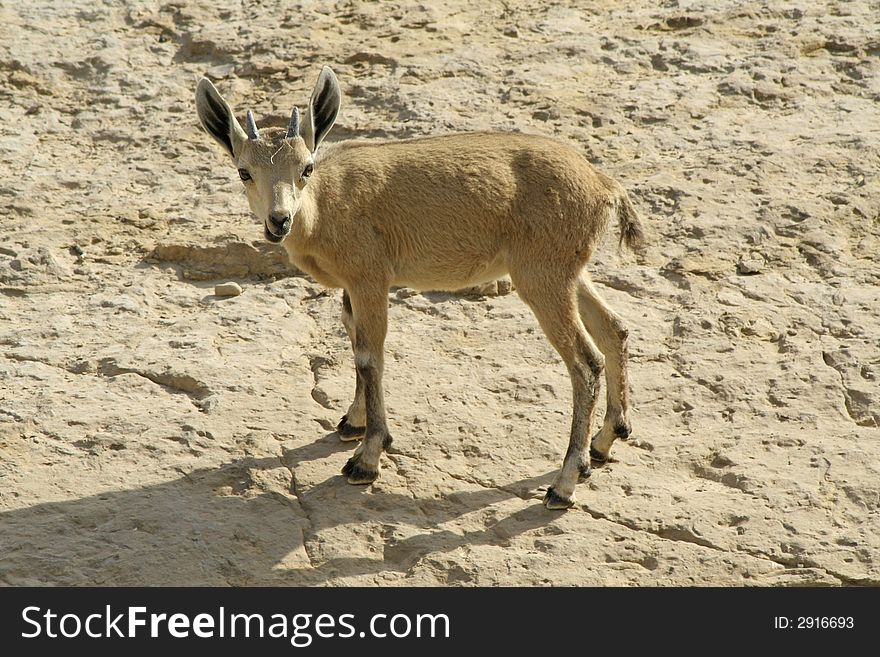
279 222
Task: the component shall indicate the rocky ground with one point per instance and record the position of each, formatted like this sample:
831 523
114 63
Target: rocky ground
152 432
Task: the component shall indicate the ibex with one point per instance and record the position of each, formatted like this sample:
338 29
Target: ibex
440 213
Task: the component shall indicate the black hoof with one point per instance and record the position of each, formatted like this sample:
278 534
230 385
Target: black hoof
598 456
553 501
357 474
348 431
622 431
585 470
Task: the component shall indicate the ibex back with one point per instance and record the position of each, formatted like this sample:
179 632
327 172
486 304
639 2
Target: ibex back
440 213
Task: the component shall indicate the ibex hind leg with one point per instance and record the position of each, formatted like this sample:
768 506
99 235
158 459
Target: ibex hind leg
553 302
607 329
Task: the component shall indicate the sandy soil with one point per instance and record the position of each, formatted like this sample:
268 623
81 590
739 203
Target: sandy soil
154 433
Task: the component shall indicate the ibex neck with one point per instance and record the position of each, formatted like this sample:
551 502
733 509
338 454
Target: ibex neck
303 228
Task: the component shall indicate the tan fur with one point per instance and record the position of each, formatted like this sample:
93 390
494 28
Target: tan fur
443 213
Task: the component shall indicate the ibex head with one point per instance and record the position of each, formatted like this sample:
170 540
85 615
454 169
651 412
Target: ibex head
274 163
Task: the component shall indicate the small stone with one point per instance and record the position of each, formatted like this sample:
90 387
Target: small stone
220 71
749 266
230 289
681 406
546 114
119 302
208 404
730 298
511 31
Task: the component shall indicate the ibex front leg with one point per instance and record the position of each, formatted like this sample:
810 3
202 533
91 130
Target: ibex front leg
370 314
353 424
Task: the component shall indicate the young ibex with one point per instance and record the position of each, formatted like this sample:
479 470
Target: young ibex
440 213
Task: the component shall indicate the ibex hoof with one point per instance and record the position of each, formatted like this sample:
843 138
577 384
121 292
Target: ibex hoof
555 501
598 456
585 470
358 474
348 432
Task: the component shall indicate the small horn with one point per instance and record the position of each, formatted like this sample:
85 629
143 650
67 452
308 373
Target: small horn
293 128
251 125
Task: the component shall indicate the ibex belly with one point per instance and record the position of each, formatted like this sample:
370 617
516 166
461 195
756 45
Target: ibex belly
443 272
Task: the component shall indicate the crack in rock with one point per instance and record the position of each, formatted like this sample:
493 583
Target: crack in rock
232 259
182 383
857 403
682 535
309 533
316 363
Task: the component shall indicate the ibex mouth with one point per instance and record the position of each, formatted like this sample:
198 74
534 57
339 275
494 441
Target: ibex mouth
272 237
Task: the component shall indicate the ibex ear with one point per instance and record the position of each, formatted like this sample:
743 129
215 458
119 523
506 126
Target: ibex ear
323 109
217 118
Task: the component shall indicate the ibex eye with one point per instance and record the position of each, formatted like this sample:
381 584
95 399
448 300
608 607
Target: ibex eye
244 175
308 170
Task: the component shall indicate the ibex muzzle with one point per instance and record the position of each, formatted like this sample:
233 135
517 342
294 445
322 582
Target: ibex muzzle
442 213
